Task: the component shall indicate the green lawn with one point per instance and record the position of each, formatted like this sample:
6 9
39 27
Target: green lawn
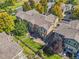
30 42
36 47
55 56
28 52
33 44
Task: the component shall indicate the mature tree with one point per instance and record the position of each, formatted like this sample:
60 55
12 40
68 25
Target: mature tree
62 1
55 56
75 12
40 8
44 4
57 10
20 28
9 2
32 3
26 6
45 8
75 2
6 22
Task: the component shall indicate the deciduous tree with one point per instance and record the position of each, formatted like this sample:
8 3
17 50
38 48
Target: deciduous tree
40 8
32 3
20 28
9 2
44 4
62 1
57 10
75 12
26 6
75 2
6 22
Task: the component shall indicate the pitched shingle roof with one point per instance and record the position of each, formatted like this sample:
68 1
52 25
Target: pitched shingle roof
51 18
74 24
36 18
69 30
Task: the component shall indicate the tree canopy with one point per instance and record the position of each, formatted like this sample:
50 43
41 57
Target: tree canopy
6 22
44 4
75 12
62 1
10 2
40 8
57 10
75 2
26 6
32 3
20 27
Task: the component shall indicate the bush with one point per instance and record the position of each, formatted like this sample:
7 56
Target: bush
57 10
6 22
32 3
21 28
26 6
40 8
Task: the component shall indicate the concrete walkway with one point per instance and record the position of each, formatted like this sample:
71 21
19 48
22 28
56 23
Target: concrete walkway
8 48
20 55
